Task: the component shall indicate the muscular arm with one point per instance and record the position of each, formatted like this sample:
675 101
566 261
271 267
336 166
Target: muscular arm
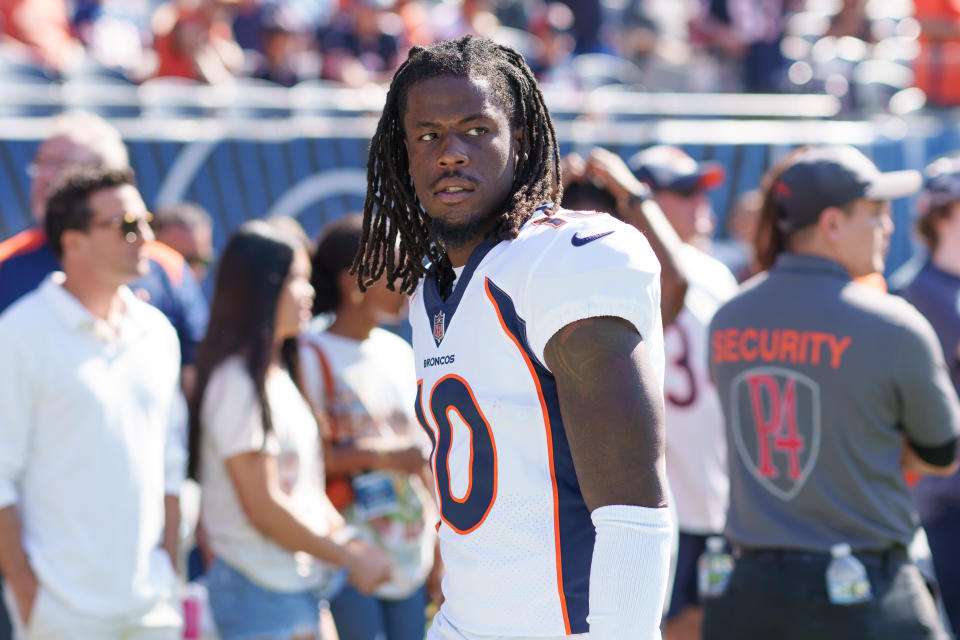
14 564
612 410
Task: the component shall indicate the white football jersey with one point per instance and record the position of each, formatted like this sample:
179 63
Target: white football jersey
696 442
516 536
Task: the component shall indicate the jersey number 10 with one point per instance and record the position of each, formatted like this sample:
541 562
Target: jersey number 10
452 394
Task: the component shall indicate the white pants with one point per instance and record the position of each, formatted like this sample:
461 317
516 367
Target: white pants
52 620
442 629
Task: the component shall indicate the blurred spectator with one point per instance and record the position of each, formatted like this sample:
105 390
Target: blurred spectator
937 67
92 460
193 40
114 33
416 22
43 28
362 43
462 17
254 446
553 45
187 229
695 445
736 251
80 140
748 33
680 186
287 47
588 26
935 292
363 379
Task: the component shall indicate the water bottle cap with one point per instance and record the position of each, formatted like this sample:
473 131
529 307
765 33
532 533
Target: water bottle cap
715 543
840 549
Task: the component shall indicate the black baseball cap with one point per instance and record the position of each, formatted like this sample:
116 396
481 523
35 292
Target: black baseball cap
834 176
668 168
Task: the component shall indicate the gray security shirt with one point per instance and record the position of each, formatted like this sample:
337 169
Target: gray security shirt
821 379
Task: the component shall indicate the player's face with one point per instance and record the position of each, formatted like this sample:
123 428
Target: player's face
462 156
864 236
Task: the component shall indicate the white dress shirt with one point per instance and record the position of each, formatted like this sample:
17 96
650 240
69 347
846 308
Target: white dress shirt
88 448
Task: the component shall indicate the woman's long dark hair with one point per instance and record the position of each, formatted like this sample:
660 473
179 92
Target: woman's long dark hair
334 253
250 279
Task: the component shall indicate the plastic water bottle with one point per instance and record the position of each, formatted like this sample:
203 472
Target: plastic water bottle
847 581
713 569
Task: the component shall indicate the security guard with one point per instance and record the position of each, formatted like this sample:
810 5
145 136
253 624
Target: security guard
830 389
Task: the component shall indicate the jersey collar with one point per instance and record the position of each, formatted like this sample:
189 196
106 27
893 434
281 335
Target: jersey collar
435 305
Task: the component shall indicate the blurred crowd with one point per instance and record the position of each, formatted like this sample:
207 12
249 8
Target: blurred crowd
865 52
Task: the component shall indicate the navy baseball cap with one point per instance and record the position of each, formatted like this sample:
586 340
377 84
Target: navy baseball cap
834 176
941 184
668 168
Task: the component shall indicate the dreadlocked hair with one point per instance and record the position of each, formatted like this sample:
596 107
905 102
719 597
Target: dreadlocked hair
396 240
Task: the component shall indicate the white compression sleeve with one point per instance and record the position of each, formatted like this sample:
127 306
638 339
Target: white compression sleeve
629 574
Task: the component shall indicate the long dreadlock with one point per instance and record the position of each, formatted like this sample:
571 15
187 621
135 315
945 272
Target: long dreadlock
396 237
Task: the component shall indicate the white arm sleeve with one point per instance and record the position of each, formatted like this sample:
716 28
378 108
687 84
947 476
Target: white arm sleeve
629 574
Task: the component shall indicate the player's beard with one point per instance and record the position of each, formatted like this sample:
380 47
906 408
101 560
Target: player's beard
454 236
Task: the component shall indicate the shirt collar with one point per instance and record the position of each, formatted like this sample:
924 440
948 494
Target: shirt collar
77 317
797 262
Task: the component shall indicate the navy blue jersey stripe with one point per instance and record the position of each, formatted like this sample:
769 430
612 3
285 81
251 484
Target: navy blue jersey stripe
576 531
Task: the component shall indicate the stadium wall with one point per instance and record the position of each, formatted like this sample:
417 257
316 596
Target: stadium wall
314 169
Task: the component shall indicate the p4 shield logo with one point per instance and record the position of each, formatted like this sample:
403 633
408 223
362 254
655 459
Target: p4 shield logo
776 427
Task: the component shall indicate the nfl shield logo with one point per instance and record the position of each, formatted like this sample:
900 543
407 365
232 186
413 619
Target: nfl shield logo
439 322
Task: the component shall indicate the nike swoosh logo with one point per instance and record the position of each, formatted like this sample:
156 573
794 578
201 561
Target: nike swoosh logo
577 241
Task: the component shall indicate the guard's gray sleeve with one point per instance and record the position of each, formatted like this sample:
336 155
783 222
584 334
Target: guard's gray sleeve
930 410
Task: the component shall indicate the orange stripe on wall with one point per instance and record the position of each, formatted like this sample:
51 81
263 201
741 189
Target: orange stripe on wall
171 261
26 240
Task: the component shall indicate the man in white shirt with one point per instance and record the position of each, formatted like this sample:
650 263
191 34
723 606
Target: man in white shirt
89 390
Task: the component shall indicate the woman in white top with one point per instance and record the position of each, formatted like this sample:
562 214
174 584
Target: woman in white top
363 379
278 543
